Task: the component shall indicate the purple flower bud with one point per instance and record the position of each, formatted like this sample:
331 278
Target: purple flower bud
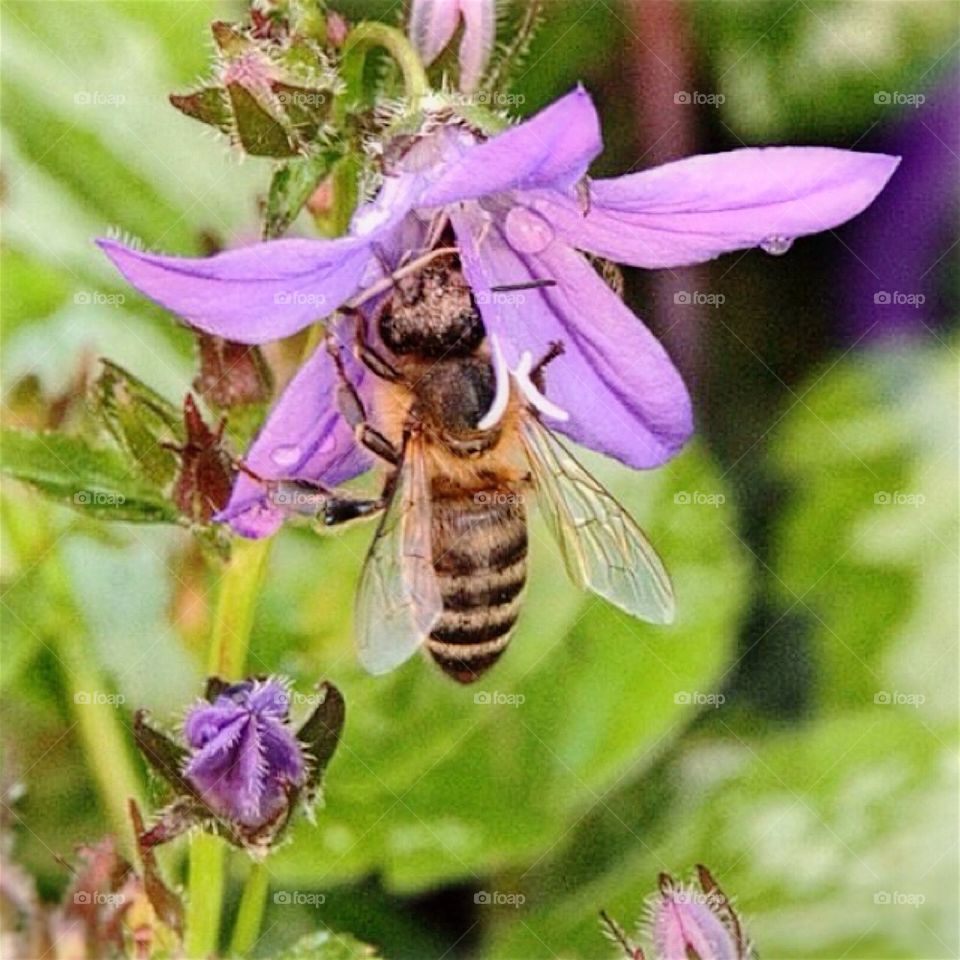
246 760
691 924
434 22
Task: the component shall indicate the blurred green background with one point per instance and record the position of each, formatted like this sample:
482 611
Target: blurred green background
796 730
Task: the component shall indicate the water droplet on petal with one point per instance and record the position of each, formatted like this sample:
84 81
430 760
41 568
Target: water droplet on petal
285 456
776 245
527 231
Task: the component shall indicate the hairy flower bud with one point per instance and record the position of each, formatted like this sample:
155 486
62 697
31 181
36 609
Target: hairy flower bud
695 924
434 22
246 759
685 923
244 769
272 90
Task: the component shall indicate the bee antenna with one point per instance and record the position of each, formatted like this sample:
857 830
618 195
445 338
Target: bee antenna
526 285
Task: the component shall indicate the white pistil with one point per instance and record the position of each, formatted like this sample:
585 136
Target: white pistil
530 391
501 398
527 387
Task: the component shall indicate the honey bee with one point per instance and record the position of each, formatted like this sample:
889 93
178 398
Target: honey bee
448 564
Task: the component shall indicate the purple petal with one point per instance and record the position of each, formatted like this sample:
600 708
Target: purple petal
231 776
246 754
696 209
282 752
270 698
252 294
304 438
432 26
205 721
622 393
251 770
217 752
552 149
684 927
480 29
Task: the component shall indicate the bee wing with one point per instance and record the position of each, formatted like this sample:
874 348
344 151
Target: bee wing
602 545
399 600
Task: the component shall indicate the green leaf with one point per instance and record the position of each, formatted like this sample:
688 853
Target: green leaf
258 131
32 290
208 105
290 189
166 757
487 777
141 421
95 482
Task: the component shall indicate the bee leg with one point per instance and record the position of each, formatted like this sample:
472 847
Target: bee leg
341 509
375 361
378 364
556 349
314 500
378 444
352 410
308 499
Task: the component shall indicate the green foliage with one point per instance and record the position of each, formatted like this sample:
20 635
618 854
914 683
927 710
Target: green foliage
838 837
487 778
142 423
70 471
809 828
290 189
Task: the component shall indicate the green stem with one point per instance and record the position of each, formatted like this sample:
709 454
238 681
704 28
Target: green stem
205 882
246 932
100 730
102 737
229 644
233 618
367 35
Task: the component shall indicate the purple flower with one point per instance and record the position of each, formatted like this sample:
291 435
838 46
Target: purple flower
434 22
683 928
522 210
688 922
243 773
246 760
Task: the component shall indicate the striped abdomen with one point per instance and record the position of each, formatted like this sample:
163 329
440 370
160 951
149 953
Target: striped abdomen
480 557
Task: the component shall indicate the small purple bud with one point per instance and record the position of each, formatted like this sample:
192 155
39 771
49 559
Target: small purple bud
246 760
434 22
691 924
